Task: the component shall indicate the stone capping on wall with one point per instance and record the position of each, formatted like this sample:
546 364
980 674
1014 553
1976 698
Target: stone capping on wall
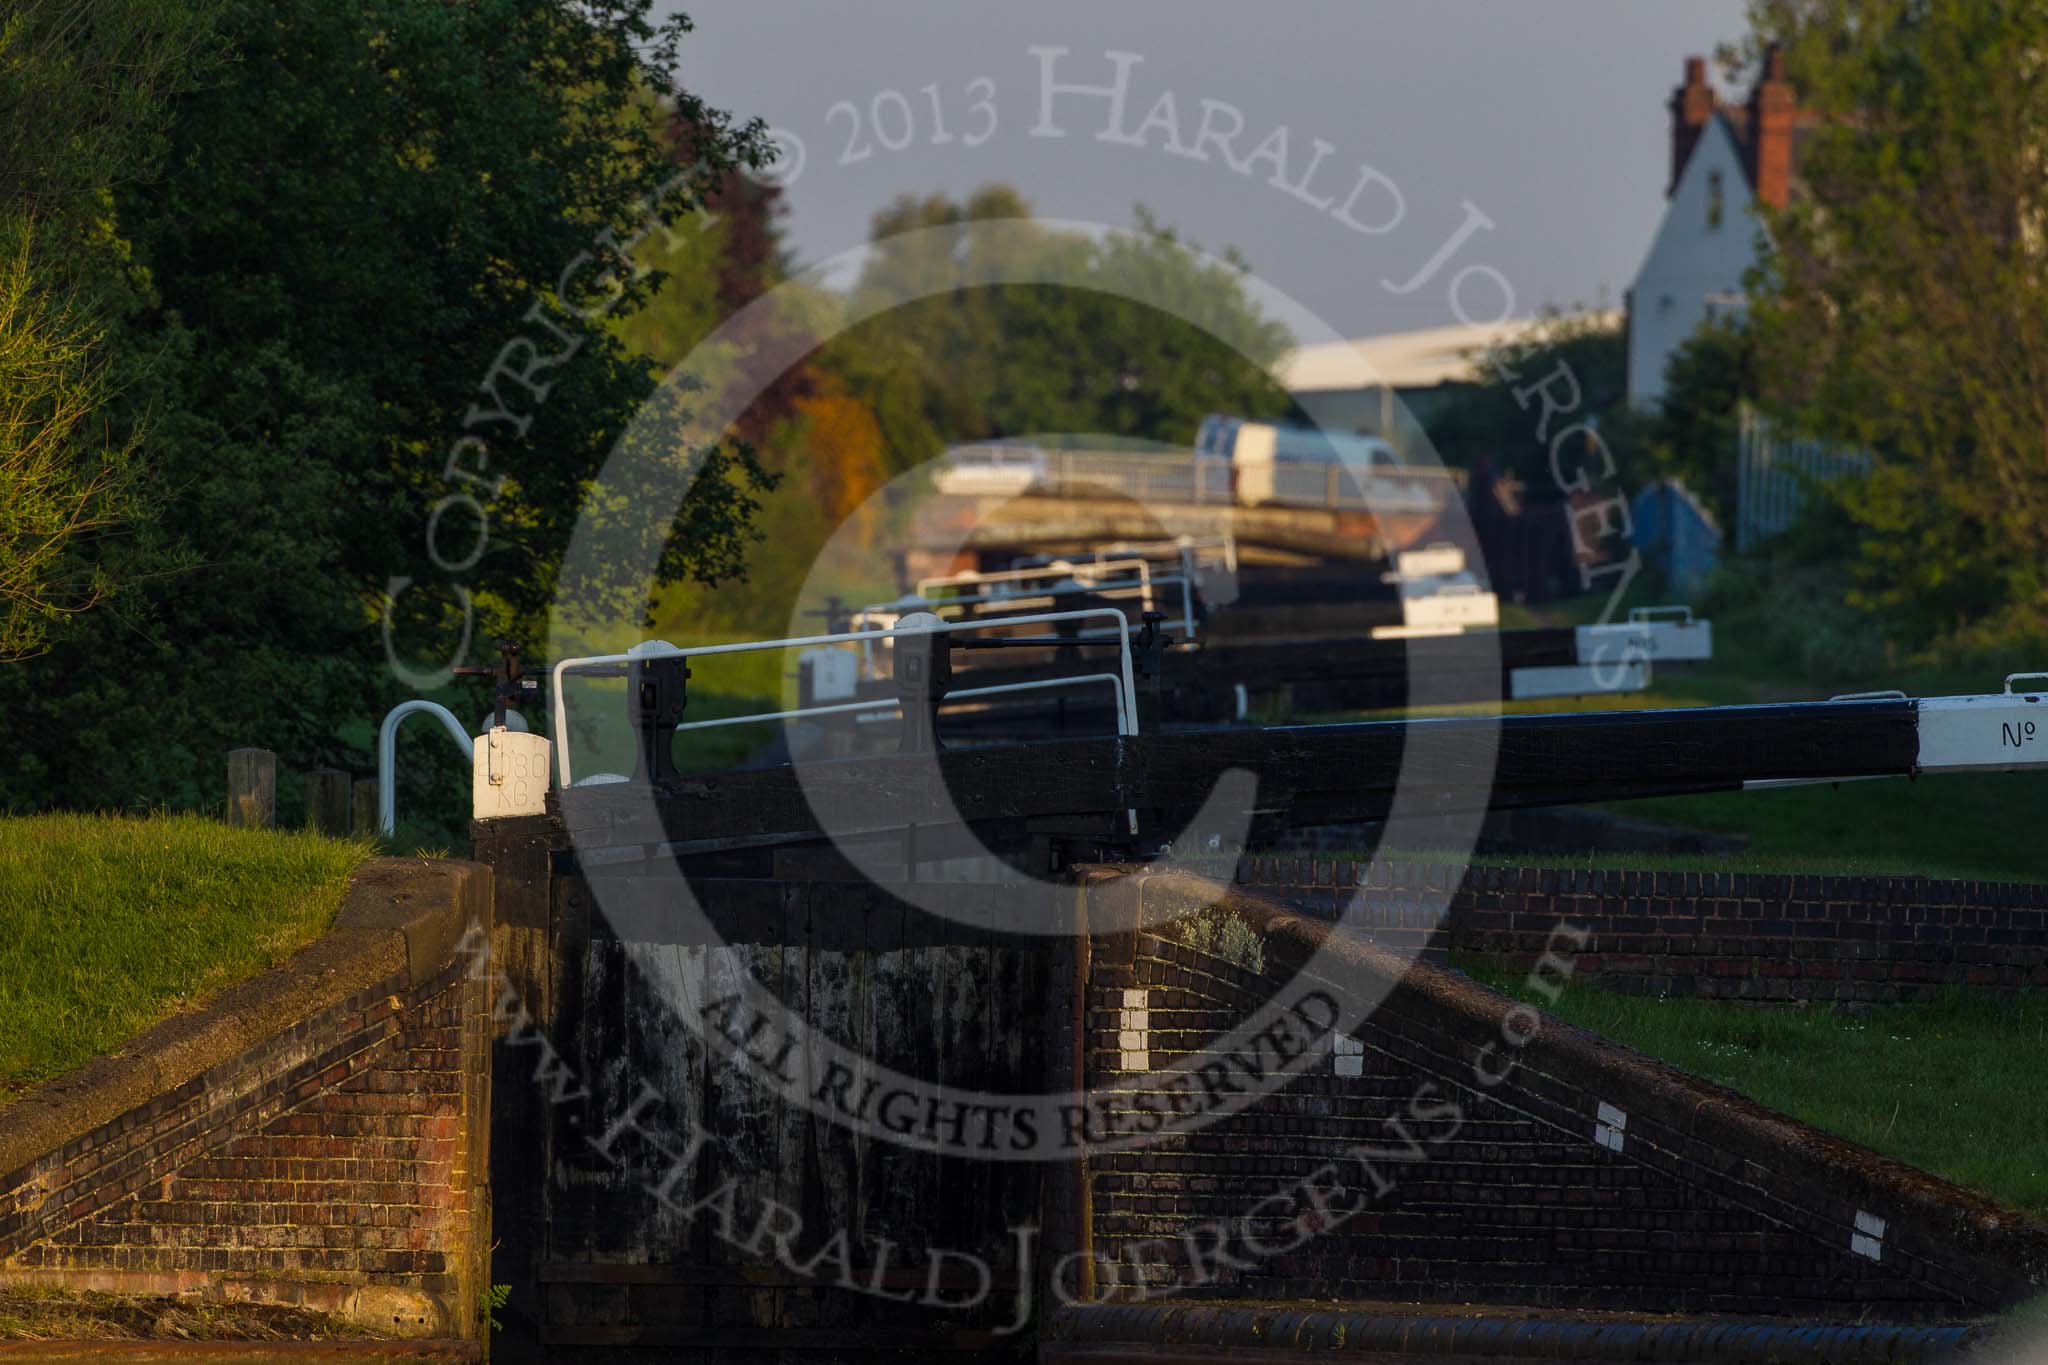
2009 1248
398 915
1272 1331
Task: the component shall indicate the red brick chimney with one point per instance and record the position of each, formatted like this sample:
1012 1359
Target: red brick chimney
1773 109
1692 104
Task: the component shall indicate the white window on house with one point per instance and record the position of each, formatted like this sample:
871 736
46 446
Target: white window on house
1723 304
1713 200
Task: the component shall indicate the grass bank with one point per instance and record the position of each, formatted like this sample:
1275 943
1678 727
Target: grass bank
108 925
1975 827
1969 827
1952 1087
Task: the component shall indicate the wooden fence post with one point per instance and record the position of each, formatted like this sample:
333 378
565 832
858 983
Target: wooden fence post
252 788
327 801
363 810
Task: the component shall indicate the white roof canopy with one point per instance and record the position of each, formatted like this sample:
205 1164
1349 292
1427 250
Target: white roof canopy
1405 360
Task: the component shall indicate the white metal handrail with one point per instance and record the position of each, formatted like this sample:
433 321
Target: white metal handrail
387 754
1144 592
1187 599
656 649
890 611
1126 721
1190 548
1187 549
1197 476
1061 569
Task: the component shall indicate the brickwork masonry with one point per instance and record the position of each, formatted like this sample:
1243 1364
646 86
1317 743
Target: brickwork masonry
316 1136
1454 1146
1717 935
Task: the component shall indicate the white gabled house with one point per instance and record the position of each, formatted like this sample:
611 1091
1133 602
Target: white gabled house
1725 159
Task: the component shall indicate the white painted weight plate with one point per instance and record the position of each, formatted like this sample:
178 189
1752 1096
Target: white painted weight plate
1997 732
509 773
1664 642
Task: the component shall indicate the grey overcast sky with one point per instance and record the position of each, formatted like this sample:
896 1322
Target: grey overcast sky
1547 117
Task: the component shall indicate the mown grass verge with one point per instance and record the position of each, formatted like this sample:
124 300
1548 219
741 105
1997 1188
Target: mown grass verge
1973 826
1952 1086
110 924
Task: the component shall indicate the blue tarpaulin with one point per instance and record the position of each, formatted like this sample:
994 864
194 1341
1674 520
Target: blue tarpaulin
1676 535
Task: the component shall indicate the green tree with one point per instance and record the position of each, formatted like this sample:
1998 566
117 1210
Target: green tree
387 248
59 488
1087 357
1696 433
1578 362
83 89
962 363
1903 303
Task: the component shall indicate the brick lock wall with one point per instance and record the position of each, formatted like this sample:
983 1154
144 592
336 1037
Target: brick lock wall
336 1164
1585 1177
1750 936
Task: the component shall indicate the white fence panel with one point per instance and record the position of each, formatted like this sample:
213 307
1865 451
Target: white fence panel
1771 474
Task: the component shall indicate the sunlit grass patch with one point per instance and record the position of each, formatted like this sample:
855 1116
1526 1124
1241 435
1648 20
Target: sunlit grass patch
108 925
1952 1086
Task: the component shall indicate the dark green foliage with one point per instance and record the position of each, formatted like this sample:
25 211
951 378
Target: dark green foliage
1791 609
1695 436
1903 306
358 215
84 86
489 1302
83 90
1095 350
1577 363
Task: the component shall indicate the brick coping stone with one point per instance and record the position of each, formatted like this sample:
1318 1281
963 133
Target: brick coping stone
398 915
1166 1332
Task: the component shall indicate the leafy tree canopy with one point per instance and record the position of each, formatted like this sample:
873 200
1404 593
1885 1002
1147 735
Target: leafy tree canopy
1088 357
1695 435
1903 303
1577 362
83 89
384 253
961 364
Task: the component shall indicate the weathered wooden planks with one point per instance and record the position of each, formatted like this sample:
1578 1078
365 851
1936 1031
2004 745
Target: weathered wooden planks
933 997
